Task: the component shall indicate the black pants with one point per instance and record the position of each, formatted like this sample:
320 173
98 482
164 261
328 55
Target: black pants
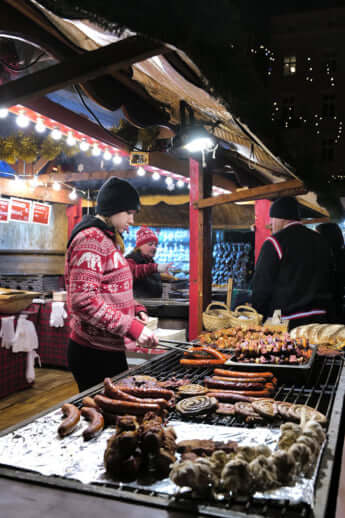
90 366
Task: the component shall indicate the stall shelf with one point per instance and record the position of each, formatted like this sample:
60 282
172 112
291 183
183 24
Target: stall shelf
324 391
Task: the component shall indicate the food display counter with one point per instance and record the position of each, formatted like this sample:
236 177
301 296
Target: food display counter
172 313
324 391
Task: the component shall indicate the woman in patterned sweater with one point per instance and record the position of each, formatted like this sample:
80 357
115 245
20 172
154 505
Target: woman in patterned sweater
105 319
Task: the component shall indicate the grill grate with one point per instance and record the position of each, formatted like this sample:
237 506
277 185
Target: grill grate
319 392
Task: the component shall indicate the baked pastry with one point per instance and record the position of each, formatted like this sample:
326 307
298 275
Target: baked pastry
266 408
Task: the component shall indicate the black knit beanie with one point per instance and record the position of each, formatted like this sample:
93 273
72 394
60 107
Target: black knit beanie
285 208
116 196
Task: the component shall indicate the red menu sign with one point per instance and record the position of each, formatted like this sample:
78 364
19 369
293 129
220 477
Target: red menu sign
20 210
40 213
4 209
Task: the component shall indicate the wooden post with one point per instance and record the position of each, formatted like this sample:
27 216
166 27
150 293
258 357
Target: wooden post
200 249
74 215
262 218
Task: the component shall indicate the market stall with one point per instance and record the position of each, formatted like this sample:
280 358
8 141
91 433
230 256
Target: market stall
71 463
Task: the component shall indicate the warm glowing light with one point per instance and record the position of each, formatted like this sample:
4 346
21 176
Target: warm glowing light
169 180
56 186
180 183
156 176
40 127
35 181
56 134
3 113
73 195
107 155
84 145
117 159
141 171
96 151
22 120
71 140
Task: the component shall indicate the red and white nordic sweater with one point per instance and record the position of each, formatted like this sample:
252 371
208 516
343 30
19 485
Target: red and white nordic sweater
99 287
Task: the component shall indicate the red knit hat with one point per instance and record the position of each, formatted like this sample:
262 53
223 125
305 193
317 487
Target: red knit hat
145 235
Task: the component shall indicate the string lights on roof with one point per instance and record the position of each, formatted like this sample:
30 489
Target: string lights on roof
59 132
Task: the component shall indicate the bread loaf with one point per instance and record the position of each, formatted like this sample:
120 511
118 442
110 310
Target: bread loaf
321 334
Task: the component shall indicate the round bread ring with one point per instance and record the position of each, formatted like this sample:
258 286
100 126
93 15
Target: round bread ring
265 407
283 408
196 405
192 389
296 412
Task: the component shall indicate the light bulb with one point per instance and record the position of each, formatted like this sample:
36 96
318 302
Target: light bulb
117 159
35 181
56 186
56 134
156 176
169 180
3 113
73 195
40 126
107 155
84 145
171 186
22 120
71 140
96 151
180 183
141 171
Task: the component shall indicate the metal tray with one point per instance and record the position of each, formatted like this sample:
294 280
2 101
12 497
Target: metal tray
284 373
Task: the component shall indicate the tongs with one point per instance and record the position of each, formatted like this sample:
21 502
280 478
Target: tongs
174 344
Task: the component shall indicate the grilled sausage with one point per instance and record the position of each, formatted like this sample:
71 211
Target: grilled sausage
114 392
200 363
114 406
241 374
72 417
96 422
230 397
240 380
232 385
148 392
89 402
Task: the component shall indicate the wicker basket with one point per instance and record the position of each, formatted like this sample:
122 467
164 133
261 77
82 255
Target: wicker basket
214 319
15 301
253 318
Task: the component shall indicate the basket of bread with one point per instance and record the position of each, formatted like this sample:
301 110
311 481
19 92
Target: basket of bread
329 338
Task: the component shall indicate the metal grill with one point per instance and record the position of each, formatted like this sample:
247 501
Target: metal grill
320 392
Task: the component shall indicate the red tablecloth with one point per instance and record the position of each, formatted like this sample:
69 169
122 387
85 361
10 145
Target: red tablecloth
13 365
53 341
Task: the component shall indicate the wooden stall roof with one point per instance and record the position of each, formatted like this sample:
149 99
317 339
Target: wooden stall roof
132 73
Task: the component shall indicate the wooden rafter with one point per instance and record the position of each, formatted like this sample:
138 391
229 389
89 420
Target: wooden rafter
80 68
86 177
25 190
288 188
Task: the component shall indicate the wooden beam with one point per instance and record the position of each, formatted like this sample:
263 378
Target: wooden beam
200 249
86 177
256 193
59 113
80 68
167 162
25 190
224 183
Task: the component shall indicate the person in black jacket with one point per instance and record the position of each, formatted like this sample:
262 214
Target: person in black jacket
332 233
149 286
293 271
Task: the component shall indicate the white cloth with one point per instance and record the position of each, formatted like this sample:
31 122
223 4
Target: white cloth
26 340
57 314
7 332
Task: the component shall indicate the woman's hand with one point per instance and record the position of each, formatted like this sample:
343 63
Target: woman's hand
147 338
143 317
164 267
